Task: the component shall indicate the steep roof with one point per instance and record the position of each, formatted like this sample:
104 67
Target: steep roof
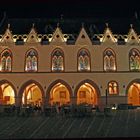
70 26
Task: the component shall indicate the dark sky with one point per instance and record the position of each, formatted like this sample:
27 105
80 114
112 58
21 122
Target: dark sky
69 8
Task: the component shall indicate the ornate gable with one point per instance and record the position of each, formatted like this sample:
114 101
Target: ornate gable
32 36
83 38
57 37
7 37
108 36
132 36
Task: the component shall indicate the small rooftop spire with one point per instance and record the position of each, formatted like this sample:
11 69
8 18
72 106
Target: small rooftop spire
58 24
61 16
33 25
82 24
8 25
106 24
131 25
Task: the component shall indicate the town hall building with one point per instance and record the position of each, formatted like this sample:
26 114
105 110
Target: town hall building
60 67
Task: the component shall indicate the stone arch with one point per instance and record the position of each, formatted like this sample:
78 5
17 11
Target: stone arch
93 84
13 87
21 91
133 92
56 82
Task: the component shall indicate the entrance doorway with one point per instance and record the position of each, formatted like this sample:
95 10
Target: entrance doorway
32 95
87 94
59 94
134 94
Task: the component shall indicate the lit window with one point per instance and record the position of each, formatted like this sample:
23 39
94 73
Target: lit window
6 61
134 60
57 60
113 87
31 61
109 60
3 63
83 61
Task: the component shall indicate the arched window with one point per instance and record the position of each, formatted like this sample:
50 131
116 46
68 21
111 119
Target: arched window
83 60
8 64
3 63
57 60
109 60
113 87
6 61
134 60
31 61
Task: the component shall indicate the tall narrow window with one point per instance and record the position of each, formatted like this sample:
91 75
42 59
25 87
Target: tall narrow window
57 60
134 60
3 63
6 61
31 61
112 87
83 60
109 60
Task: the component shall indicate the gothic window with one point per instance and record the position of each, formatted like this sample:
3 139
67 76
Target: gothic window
31 61
106 62
6 61
113 87
83 60
57 60
109 60
3 63
134 60
34 63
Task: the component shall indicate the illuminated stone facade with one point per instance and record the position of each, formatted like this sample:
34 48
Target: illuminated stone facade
56 70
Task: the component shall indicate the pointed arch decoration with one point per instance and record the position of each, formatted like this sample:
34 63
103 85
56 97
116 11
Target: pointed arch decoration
59 91
83 38
132 36
87 92
133 92
31 92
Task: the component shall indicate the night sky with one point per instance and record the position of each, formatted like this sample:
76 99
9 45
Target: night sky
69 8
